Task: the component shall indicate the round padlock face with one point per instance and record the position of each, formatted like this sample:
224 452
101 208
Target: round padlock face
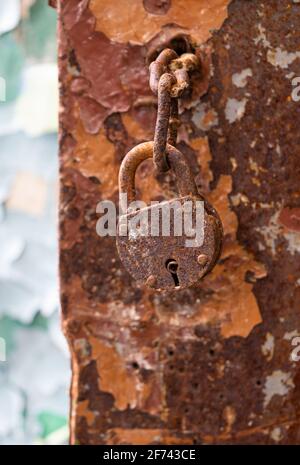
169 246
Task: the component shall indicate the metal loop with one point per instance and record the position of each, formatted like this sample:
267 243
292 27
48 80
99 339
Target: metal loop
158 67
169 62
176 160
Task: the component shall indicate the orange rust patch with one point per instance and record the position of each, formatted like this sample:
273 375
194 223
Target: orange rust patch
95 155
229 415
116 378
232 306
233 299
136 25
135 129
83 411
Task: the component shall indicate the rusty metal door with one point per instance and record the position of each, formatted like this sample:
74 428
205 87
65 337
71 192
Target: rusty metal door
215 363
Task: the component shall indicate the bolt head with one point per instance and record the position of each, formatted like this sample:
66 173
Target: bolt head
202 259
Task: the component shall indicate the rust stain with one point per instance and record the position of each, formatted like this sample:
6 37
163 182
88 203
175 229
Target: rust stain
118 378
95 157
135 129
141 436
290 218
230 417
232 305
233 299
263 429
102 90
114 377
137 25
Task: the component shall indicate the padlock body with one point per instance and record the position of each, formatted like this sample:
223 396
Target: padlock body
146 251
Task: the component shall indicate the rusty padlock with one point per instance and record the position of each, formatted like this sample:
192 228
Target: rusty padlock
166 262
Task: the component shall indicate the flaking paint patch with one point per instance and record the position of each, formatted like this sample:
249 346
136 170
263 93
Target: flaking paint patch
278 383
276 434
262 37
105 91
83 410
135 129
277 57
290 219
136 25
271 232
114 377
293 240
281 58
275 230
90 165
240 79
233 301
235 109
125 385
232 306
204 118
290 335
268 347
229 415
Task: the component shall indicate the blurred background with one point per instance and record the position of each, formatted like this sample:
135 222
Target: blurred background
34 364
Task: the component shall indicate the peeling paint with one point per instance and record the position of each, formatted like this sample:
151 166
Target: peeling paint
278 383
275 230
276 434
233 300
268 347
137 26
281 58
205 118
241 79
235 109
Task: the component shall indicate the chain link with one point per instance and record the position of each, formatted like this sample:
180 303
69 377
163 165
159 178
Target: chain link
169 78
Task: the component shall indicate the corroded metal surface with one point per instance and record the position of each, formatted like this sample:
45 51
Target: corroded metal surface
211 364
147 258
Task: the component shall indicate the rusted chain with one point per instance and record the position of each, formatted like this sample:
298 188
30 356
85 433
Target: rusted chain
158 67
168 79
173 122
162 122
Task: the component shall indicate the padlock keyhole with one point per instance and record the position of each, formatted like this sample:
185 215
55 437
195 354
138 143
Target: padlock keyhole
172 267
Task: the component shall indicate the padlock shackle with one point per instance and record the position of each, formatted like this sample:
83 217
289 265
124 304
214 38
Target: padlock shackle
176 160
